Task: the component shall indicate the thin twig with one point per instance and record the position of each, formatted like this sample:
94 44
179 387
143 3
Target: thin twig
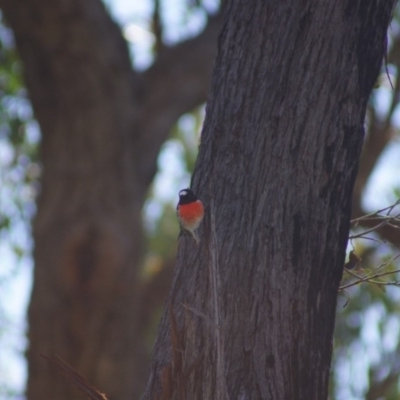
390 208
384 264
370 279
201 315
73 376
221 393
373 229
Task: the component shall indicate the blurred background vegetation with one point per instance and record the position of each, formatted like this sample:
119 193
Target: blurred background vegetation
366 361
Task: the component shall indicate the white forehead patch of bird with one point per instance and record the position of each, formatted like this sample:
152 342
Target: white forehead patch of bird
183 193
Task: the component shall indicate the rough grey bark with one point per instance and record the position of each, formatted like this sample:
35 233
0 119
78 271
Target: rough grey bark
276 169
102 127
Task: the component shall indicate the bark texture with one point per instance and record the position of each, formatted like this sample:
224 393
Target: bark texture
251 311
102 127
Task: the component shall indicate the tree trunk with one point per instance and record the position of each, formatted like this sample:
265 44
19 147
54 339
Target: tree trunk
102 127
252 308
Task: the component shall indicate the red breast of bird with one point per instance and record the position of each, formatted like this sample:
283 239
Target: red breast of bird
191 214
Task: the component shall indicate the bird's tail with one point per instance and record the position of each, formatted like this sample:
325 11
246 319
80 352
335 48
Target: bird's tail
196 236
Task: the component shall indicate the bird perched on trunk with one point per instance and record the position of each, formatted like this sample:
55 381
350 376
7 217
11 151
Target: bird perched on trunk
190 212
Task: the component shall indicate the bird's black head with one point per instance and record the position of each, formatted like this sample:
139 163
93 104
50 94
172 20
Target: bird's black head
186 196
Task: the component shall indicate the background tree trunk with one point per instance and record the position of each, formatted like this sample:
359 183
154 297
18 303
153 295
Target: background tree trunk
102 127
251 311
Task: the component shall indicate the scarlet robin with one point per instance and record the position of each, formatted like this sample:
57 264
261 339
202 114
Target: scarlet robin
190 212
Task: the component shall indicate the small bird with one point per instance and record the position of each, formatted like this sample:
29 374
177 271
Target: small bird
190 212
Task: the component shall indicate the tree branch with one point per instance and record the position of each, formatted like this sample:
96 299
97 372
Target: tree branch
65 62
380 133
178 81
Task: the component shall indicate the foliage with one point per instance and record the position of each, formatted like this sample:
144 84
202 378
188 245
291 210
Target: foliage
19 173
19 136
367 337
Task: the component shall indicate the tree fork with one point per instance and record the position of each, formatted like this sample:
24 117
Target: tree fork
278 159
